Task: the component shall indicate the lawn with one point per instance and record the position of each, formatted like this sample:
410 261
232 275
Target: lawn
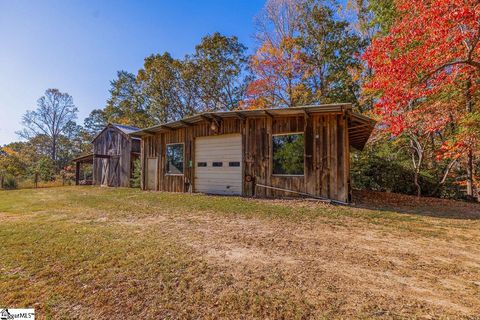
98 253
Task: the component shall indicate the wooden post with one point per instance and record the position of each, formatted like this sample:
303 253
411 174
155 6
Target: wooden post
77 173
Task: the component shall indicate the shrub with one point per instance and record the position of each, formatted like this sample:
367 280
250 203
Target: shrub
10 182
137 174
46 169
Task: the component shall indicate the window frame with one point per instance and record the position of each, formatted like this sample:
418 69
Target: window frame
183 158
271 162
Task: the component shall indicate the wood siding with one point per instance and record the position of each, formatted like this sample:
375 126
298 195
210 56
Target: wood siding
112 158
326 171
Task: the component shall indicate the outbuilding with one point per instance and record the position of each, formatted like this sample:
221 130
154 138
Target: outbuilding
113 157
265 153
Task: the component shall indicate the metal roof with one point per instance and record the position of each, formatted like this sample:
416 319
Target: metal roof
360 127
125 129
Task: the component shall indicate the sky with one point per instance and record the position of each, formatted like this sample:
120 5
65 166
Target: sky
77 46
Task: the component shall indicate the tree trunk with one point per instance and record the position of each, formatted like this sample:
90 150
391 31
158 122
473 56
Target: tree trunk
470 161
54 150
417 185
416 149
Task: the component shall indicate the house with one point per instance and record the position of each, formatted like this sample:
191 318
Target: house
265 153
113 157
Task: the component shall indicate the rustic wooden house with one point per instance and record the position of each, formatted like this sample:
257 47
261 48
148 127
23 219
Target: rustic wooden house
265 153
114 153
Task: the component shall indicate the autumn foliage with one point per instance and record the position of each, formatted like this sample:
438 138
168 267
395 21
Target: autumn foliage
425 74
280 72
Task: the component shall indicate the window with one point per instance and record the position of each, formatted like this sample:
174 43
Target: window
217 164
288 154
234 164
175 158
201 164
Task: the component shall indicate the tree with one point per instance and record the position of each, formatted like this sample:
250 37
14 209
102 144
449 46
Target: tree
425 71
95 122
167 85
126 104
277 67
10 161
330 52
55 112
221 62
211 79
384 15
279 76
306 55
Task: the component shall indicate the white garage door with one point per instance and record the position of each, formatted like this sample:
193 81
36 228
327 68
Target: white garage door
218 164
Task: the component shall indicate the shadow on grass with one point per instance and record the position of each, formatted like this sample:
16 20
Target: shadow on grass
424 206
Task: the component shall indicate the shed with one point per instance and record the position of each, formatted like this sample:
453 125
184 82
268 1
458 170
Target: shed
264 153
113 157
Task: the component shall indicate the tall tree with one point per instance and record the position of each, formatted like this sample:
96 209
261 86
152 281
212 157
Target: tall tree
126 104
166 82
53 117
213 78
330 51
95 122
307 55
428 64
279 76
277 67
221 62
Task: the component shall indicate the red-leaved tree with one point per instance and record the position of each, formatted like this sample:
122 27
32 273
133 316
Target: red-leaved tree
279 80
426 72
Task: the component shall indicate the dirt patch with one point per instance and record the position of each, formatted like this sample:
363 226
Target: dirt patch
357 262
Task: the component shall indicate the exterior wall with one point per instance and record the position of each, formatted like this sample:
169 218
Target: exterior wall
113 147
326 170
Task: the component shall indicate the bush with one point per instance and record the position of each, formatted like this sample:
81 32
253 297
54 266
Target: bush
10 183
372 172
383 166
135 181
46 169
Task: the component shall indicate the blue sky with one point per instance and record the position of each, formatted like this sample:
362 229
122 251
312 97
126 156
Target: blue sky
78 46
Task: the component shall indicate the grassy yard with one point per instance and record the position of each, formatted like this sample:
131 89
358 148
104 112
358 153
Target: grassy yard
97 253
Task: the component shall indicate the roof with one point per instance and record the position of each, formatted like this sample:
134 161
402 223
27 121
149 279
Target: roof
127 130
84 158
124 128
360 127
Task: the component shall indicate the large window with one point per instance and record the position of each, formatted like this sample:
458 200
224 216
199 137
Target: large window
288 151
175 158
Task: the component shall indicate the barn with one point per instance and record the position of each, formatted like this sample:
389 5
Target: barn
112 160
264 153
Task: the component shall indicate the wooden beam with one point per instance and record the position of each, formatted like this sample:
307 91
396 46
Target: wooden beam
357 134
307 116
166 127
268 114
214 116
240 116
204 117
185 123
359 126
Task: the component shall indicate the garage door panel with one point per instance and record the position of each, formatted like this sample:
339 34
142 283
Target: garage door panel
220 189
224 179
214 171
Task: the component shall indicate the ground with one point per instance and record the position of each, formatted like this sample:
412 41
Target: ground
98 253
